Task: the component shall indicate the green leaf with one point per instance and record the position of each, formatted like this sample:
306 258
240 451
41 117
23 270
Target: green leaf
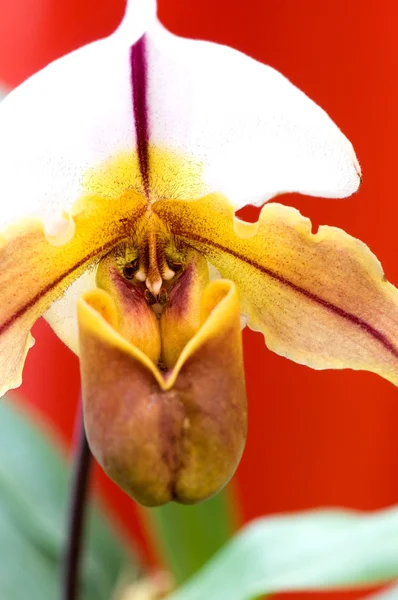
311 551
34 483
188 536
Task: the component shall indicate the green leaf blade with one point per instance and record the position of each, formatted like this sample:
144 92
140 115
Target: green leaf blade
34 481
317 550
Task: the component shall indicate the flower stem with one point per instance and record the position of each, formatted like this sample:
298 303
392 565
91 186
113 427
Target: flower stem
77 508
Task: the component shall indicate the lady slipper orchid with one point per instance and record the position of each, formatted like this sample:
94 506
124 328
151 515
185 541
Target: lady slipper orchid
121 167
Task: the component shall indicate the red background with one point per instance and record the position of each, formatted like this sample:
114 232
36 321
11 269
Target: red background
315 438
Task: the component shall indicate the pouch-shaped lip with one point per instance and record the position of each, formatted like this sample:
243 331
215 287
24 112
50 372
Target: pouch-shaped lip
177 435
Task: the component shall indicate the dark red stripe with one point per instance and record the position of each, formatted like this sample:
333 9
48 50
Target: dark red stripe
53 284
139 83
328 305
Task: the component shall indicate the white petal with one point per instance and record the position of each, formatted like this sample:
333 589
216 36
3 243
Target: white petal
138 18
67 119
256 134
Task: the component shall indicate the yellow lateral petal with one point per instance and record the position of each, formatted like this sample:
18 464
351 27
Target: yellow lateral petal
35 272
165 436
320 299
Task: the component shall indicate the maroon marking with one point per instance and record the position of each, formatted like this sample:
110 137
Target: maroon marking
179 293
139 83
328 305
99 252
53 284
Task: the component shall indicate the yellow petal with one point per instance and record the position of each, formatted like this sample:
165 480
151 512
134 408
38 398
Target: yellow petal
34 272
177 435
320 299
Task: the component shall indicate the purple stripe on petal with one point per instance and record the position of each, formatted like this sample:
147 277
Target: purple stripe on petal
367 327
139 82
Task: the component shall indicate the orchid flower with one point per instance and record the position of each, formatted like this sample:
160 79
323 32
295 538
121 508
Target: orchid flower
122 165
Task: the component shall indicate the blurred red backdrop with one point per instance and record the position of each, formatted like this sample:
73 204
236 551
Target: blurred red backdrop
315 438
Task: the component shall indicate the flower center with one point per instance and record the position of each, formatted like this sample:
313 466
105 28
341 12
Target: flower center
156 283
153 258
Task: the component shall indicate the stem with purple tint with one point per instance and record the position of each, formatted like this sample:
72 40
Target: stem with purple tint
76 515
